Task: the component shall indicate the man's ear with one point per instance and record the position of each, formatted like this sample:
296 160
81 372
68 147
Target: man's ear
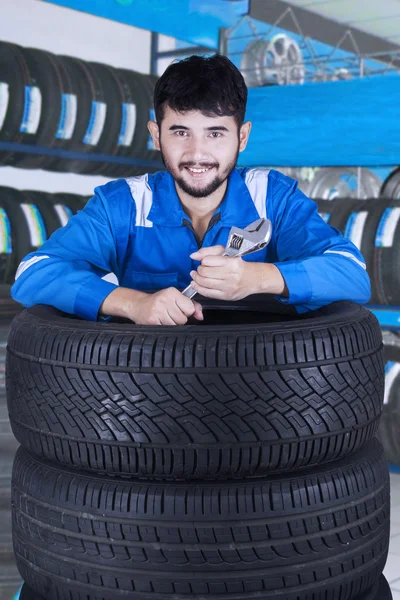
244 135
155 133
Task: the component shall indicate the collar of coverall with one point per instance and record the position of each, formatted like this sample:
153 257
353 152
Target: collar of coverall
237 207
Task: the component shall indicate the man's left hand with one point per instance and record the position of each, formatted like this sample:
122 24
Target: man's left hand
224 277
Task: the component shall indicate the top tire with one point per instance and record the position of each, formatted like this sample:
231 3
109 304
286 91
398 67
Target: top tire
254 389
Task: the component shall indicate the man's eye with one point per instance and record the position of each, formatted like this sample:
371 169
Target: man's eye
181 133
216 134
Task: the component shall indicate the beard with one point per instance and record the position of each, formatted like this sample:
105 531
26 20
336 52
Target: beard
209 188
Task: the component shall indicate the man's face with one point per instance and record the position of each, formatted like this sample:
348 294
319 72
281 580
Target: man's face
199 152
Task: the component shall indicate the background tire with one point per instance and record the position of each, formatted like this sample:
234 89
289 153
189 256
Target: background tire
391 185
43 68
386 254
390 422
246 393
15 74
361 228
311 536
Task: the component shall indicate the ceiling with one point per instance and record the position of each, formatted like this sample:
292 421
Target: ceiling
380 18
374 24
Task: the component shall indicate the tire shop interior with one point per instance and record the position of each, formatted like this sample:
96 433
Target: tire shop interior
259 458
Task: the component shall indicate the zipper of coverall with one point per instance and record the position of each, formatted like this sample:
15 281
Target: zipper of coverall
211 224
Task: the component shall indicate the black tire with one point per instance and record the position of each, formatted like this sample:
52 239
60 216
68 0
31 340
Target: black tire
32 218
380 591
320 535
132 85
8 307
43 69
9 235
337 212
108 142
239 395
343 208
390 422
27 224
74 201
391 185
359 221
27 593
386 254
88 90
370 212
138 89
15 74
149 84
44 204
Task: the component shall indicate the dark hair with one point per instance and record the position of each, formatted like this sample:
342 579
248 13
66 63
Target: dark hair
212 85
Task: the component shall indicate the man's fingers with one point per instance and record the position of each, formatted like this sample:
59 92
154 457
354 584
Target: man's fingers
184 304
210 292
210 251
176 314
217 273
198 313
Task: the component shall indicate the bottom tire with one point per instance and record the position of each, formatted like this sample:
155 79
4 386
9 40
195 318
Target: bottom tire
380 591
320 535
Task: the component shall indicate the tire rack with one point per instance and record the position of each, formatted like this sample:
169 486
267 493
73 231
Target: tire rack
60 113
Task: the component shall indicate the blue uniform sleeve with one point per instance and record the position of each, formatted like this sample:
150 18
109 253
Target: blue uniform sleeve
318 264
66 272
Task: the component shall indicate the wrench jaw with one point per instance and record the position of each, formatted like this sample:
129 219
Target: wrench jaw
254 237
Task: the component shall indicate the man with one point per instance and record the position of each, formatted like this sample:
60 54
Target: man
159 232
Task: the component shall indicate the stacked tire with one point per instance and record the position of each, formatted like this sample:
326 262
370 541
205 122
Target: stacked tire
232 458
71 115
9 577
374 227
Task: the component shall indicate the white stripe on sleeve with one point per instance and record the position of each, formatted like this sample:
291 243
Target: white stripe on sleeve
347 255
25 264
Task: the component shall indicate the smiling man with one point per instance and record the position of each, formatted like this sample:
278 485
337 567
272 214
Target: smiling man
157 233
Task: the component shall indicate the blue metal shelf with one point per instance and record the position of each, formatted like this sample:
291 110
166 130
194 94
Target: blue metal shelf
84 156
388 316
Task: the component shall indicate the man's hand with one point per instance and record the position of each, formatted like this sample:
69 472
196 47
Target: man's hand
166 307
230 278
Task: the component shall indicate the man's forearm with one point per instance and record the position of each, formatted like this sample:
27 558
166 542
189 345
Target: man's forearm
119 302
269 280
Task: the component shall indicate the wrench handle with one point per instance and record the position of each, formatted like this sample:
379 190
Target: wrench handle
189 291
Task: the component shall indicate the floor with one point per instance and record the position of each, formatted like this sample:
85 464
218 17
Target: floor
9 577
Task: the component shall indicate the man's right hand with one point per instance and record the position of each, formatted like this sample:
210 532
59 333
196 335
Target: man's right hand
166 307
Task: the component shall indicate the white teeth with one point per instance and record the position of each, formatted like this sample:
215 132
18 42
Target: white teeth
198 170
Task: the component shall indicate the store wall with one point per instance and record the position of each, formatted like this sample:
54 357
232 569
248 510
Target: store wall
61 30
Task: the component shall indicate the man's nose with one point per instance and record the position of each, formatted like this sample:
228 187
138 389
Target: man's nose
198 149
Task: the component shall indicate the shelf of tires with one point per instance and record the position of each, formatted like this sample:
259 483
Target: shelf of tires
60 113
233 459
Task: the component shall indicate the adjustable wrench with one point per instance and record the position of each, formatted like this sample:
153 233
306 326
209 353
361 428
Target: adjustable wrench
243 241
